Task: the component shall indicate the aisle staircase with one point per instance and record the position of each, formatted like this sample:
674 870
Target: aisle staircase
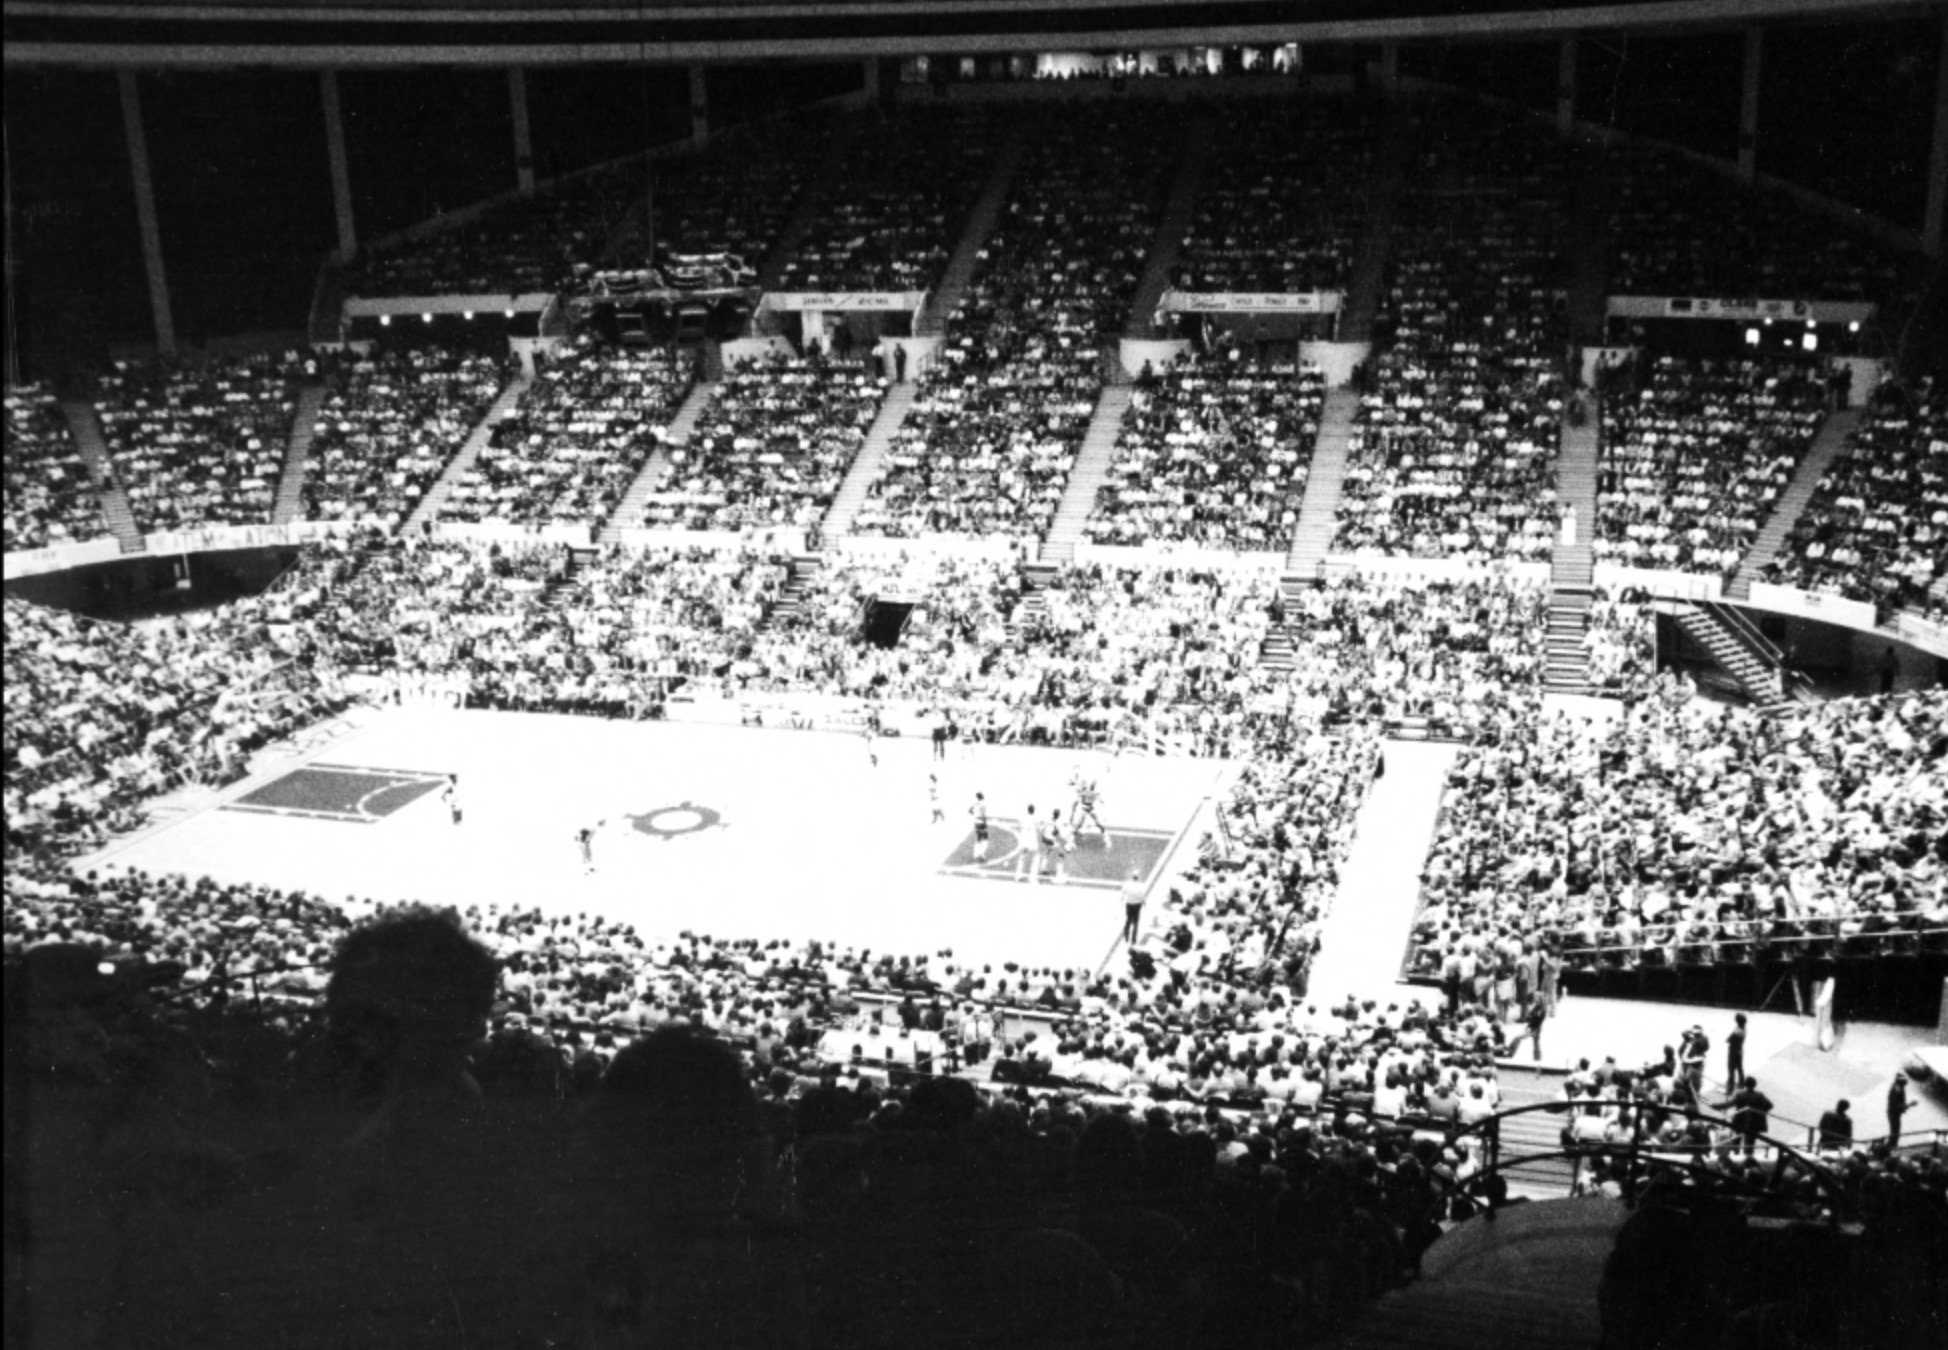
811 201
867 464
1168 241
1526 1277
982 217
85 426
1319 509
1032 609
502 407
1572 565
1737 648
1827 446
800 581
1589 251
289 505
1089 472
656 469
1277 651
1365 283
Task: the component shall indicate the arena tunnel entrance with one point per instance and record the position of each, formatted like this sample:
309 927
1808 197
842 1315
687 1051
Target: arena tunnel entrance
886 620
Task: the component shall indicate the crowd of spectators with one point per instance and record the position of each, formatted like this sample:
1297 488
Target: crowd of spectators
1689 468
393 420
582 432
1621 640
518 246
1213 452
999 416
1283 202
734 198
1462 655
1680 229
201 442
100 716
771 448
1687 832
1454 450
904 186
1877 526
49 494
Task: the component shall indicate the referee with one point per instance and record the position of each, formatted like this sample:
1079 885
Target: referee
1133 905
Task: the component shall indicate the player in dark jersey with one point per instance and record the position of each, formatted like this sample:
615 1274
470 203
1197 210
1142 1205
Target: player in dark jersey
1086 798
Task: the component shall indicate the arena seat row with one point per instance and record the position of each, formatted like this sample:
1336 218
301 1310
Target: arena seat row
50 497
1877 526
1000 415
1214 453
202 442
1690 467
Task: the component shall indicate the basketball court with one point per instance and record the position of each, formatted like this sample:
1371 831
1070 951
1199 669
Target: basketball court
734 832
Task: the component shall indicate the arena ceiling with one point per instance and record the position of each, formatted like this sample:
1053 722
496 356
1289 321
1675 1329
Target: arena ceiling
370 33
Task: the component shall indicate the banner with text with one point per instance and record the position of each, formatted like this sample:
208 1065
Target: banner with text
844 301
1249 302
33 562
1717 307
1814 605
1665 585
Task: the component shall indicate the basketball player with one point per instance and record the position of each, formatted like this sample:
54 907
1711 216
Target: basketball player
585 844
871 733
1028 849
979 810
450 794
1086 796
1061 841
933 798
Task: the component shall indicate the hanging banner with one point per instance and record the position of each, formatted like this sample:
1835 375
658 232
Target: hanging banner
1721 308
844 301
1249 302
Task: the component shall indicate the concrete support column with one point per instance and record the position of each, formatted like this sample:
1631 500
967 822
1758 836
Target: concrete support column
145 212
1932 223
341 176
1566 88
1390 66
517 98
1748 108
699 105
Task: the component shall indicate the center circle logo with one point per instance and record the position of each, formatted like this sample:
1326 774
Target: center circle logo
671 822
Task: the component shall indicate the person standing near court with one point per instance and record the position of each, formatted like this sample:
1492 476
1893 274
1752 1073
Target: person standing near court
585 845
1735 1051
1133 905
450 794
1896 1108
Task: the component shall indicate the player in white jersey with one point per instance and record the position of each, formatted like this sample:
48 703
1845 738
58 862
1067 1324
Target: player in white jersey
1028 849
1061 841
933 798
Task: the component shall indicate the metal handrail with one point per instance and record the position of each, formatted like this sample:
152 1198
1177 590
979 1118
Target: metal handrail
1634 1149
1745 631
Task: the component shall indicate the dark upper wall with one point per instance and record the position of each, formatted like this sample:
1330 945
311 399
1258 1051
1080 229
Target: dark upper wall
583 32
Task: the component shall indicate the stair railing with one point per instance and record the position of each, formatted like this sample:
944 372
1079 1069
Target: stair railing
1640 1154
